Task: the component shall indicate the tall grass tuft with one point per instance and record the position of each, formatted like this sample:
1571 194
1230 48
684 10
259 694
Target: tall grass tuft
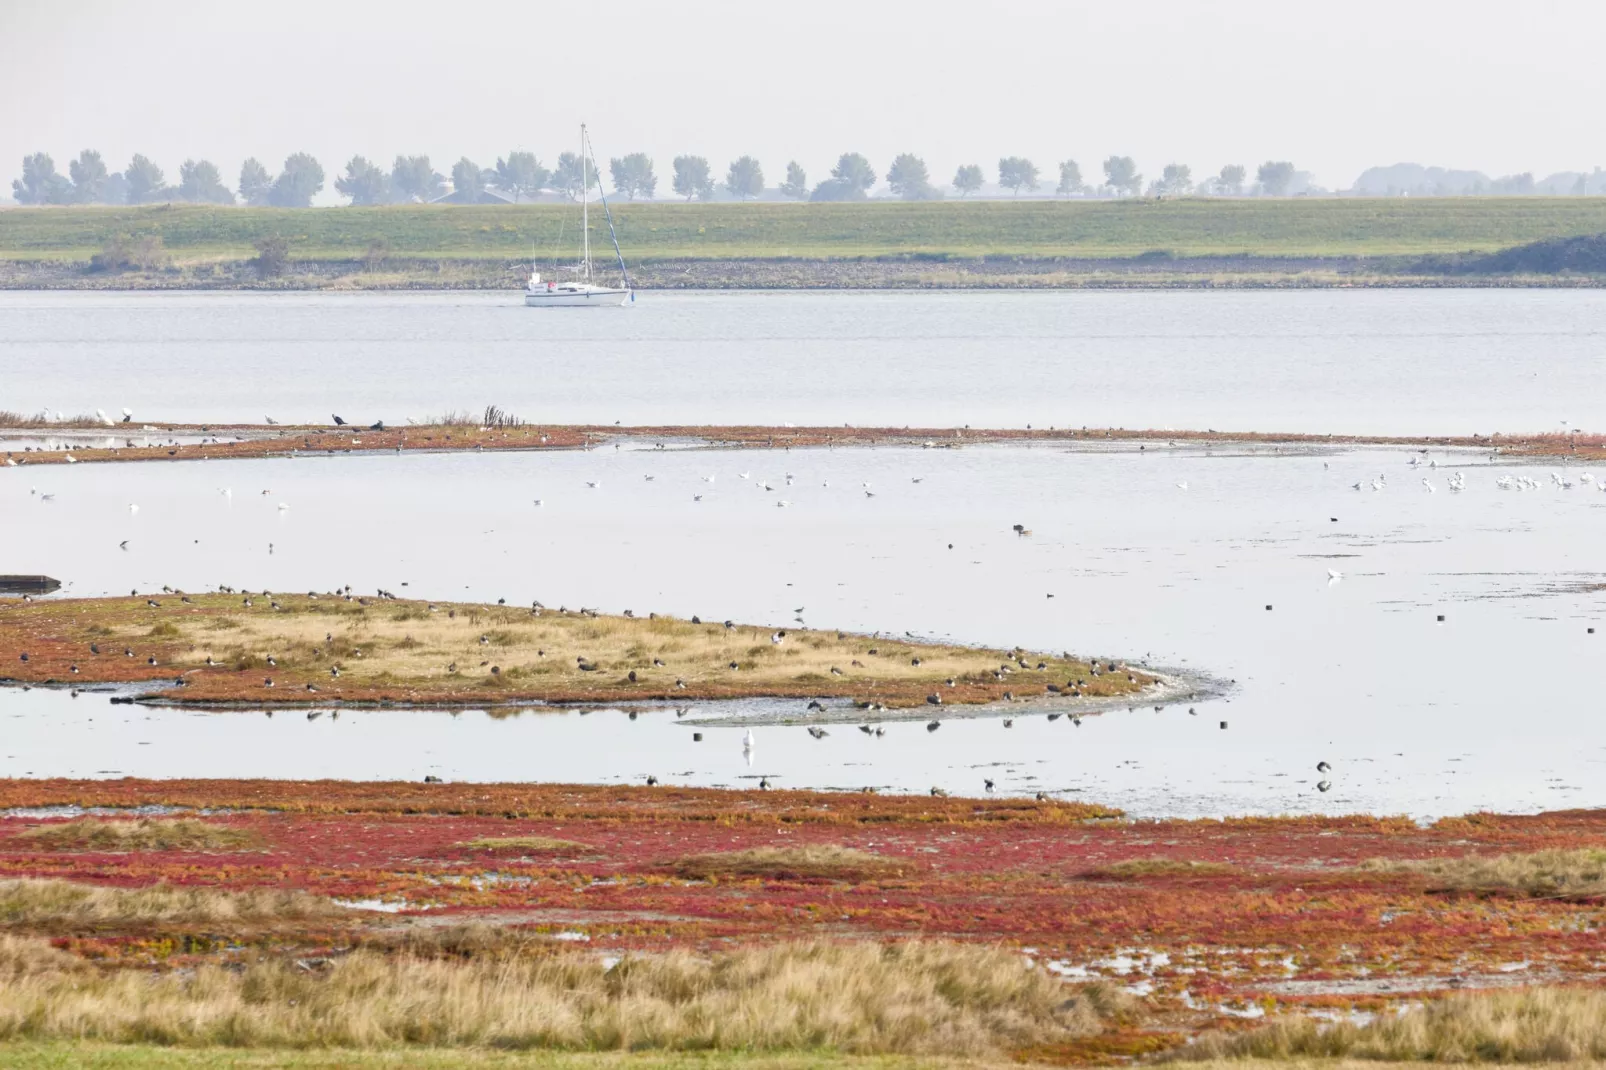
33 902
861 998
496 416
169 834
1523 1026
1580 872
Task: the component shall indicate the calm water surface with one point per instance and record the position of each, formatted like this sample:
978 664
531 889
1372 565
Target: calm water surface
1387 361
1497 707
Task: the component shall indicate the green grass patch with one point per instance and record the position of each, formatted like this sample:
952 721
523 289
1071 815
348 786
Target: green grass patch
1133 228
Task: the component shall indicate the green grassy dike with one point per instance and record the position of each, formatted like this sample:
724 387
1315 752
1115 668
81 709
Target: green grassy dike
1187 227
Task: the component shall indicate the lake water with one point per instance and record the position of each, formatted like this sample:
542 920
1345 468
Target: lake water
1496 707
1365 361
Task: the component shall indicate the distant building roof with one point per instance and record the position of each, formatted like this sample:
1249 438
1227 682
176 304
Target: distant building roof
484 196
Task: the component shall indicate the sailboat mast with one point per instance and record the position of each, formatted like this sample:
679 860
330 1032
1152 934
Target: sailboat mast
585 208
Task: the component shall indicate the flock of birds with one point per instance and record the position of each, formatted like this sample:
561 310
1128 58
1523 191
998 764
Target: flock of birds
1455 482
758 484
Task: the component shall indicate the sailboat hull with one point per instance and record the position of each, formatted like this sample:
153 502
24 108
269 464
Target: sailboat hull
578 297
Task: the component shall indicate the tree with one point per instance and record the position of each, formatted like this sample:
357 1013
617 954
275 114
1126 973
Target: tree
467 183
88 177
1275 176
1070 179
968 179
1231 180
566 176
201 183
40 183
298 183
855 170
693 178
796 185
1121 175
521 174
413 179
146 183
255 183
744 178
1174 181
849 180
633 175
909 179
1016 173
365 183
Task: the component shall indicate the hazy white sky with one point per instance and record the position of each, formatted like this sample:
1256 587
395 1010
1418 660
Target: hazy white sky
1335 87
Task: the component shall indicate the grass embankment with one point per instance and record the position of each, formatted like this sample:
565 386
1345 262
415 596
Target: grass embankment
1187 227
276 648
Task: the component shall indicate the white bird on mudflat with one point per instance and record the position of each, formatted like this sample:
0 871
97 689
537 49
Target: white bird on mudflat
539 502
107 420
226 492
271 421
70 458
1183 485
1334 575
1428 483
743 475
782 504
132 508
284 507
594 485
708 479
747 740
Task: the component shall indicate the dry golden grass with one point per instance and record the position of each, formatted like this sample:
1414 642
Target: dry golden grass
1580 872
405 642
811 862
36 902
389 645
167 834
60 1055
856 998
536 844
1519 1026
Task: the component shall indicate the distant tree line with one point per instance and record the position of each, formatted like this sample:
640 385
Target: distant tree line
521 176
89 181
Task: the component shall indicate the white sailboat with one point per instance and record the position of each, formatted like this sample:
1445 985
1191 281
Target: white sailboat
581 291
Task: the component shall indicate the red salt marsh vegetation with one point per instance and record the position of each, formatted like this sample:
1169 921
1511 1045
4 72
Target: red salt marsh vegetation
253 440
1190 925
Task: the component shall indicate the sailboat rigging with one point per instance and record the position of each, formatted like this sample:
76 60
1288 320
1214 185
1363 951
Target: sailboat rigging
583 291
